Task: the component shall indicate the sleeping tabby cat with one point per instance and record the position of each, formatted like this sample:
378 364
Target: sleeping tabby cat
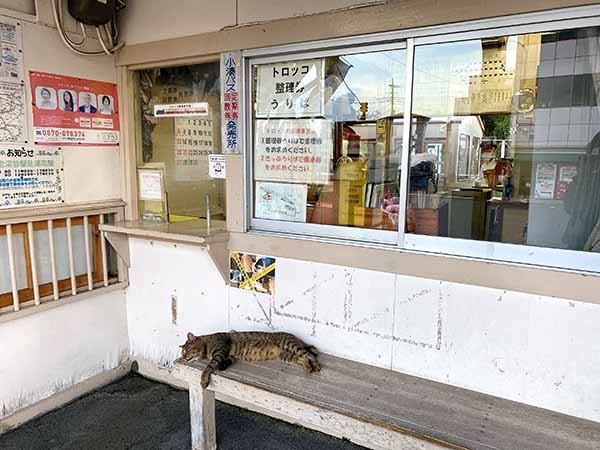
222 348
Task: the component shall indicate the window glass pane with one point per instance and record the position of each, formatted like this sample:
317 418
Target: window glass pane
328 139
179 144
20 267
506 140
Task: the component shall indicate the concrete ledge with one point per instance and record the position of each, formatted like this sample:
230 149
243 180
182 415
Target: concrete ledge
514 277
62 398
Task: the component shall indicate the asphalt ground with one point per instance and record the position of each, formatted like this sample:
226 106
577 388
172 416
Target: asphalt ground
135 413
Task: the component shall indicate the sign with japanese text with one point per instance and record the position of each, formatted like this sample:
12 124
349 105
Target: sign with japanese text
11 57
30 176
150 184
181 110
73 111
193 144
217 166
230 101
293 151
290 89
280 201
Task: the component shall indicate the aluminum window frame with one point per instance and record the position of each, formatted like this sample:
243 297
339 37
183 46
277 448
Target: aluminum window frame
298 228
546 21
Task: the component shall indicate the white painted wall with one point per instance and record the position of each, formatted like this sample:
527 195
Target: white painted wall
91 173
155 20
536 350
49 352
161 270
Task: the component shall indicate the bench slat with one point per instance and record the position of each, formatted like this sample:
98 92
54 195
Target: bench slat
405 403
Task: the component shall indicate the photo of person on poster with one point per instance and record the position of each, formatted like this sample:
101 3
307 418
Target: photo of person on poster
106 105
87 102
45 98
67 102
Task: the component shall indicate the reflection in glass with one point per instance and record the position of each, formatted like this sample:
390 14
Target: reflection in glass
328 139
505 141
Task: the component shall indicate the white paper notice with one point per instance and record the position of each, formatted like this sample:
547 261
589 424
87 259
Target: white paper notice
545 181
290 89
281 201
293 151
30 176
150 185
216 166
11 58
181 110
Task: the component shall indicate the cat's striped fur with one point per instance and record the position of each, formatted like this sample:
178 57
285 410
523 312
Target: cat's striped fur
221 349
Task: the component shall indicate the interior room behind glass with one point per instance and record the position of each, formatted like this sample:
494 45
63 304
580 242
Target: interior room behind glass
181 145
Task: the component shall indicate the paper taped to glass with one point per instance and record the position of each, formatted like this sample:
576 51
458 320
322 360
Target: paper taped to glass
290 89
281 201
293 151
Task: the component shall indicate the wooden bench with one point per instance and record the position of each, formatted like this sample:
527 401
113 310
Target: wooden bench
380 409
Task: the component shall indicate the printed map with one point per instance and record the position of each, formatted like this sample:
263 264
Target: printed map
12 112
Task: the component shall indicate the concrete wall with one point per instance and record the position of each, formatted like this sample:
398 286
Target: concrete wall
153 20
537 350
47 353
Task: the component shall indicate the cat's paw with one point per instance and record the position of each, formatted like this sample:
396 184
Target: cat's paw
315 366
205 379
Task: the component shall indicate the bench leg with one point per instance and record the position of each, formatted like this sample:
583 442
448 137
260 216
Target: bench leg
202 414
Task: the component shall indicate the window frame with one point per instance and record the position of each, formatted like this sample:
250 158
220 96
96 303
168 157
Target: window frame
314 229
547 21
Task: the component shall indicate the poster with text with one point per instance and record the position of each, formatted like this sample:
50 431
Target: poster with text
252 272
280 201
11 58
193 144
290 89
74 111
545 181
293 151
30 176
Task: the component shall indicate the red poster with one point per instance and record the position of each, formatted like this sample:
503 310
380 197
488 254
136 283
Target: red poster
74 111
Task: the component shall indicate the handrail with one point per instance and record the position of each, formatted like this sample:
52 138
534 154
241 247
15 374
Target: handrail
40 213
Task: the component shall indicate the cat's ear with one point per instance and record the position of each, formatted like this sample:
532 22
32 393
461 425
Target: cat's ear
191 337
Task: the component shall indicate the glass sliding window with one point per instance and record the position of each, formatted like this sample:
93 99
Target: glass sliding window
505 140
180 141
328 140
